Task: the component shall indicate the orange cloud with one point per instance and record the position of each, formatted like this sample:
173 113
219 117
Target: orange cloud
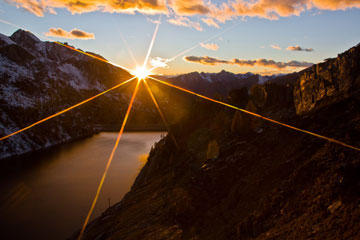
277 47
206 60
210 9
39 8
189 7
210 46
73 34
273 9
335 4
298 48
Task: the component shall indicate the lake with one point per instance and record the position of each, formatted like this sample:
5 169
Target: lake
50 200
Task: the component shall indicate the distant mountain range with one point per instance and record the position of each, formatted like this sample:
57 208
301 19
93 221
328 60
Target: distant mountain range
217 83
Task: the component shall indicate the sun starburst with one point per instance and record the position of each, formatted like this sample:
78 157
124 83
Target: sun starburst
141 73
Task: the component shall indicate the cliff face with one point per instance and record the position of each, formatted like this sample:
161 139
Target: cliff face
266 182
328 82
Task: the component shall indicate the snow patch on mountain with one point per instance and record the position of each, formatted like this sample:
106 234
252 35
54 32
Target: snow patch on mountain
76 78
6 39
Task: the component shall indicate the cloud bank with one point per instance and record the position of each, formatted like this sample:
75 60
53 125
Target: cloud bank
299 49
206 60
73 34
212 11
40 7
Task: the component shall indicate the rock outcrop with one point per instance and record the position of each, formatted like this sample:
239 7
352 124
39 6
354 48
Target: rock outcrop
328 82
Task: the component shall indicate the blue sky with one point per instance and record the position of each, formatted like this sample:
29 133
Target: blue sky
327 32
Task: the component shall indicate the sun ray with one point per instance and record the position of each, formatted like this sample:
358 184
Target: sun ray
65 110
259 116
109 160
128 49
197 45
152 42
160 112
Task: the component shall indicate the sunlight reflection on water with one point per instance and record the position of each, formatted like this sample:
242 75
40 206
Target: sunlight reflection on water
51 200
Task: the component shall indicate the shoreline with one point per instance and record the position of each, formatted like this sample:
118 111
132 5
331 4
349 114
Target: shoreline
20 163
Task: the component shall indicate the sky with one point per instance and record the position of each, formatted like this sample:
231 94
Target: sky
260 36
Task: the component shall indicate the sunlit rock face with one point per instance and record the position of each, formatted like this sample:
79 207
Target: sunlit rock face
328 82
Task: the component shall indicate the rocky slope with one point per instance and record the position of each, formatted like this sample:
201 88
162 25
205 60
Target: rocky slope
237 177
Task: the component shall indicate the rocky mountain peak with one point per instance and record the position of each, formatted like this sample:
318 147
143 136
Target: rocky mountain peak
224 73
24 37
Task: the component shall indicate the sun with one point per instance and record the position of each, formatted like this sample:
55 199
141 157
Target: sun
141 72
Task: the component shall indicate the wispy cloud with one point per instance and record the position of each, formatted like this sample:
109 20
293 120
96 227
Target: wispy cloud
73 34
159 62
210 46
154 21
299 49
277 47
206 60
185 22
210 22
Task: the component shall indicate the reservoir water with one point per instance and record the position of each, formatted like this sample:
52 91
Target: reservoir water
51 199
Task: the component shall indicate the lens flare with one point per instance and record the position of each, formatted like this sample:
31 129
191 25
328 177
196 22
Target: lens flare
141 73
109 161
65 110
161 113
152 42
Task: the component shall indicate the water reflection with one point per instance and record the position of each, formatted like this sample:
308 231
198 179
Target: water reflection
50 200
